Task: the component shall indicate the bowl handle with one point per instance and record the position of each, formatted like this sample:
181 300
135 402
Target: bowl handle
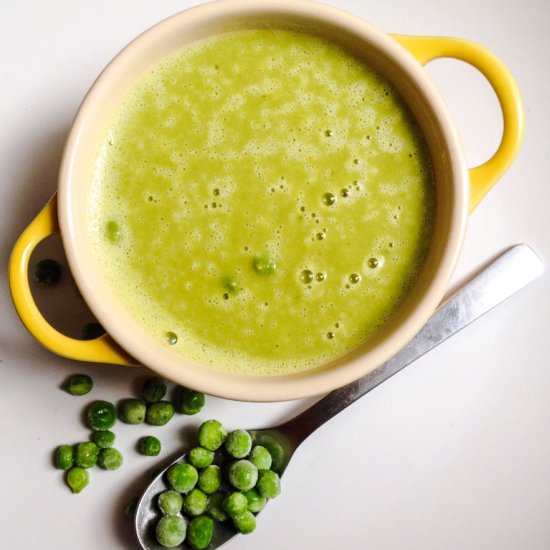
100 350
428 48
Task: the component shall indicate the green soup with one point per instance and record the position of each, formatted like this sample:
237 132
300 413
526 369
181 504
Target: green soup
262 202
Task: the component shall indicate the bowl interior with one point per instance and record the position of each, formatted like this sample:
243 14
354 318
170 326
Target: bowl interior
379 51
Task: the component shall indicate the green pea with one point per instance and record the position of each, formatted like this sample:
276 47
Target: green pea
238 443
200 532
211 435
269 484
78 384
131 507
256 502
215 506
64 457
264 265
104 439
132 411
190 401
200 457
195 503
245 523
210 479
275 450
171 530
154 389
242 474
101 415
47 272
91 331
160 413
170 502
149 446
260 457
109 459
77 478
113 231
182 477
235 504
86 454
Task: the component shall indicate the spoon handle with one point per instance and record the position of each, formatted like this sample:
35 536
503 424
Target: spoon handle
512 271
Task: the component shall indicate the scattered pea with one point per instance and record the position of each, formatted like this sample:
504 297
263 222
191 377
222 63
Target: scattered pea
170 502
210 479
149 446
200 457
64 457
211 435
47 272
154 389
78 384
245 523
109 459
77 478
91 331
195 503
182 477
190 401
171 530
238 443
86 454
260 457
200 532
101 415
132 411
160 413
103 439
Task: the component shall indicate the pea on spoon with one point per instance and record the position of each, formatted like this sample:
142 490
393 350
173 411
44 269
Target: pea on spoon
512 271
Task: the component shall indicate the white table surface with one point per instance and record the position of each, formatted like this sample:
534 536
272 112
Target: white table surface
453 453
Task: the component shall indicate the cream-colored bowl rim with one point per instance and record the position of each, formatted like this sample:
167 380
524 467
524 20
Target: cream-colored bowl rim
98 295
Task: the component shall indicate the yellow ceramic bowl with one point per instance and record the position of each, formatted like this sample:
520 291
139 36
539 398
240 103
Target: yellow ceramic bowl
400 60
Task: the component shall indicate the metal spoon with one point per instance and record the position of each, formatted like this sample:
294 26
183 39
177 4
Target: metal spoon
515 269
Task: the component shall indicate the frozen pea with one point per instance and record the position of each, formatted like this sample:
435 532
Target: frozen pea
77 478
269 484
101 415
245 523
159 413
86 454
256 502
154 389
211 435
200 457
78 384
104 438
132 411
242 474
64 457
215 506
109 459
210 479
235 504
170 502
171 530
260 457
200 531
275 450
238 443
195 503
149 446
190 401
182 477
